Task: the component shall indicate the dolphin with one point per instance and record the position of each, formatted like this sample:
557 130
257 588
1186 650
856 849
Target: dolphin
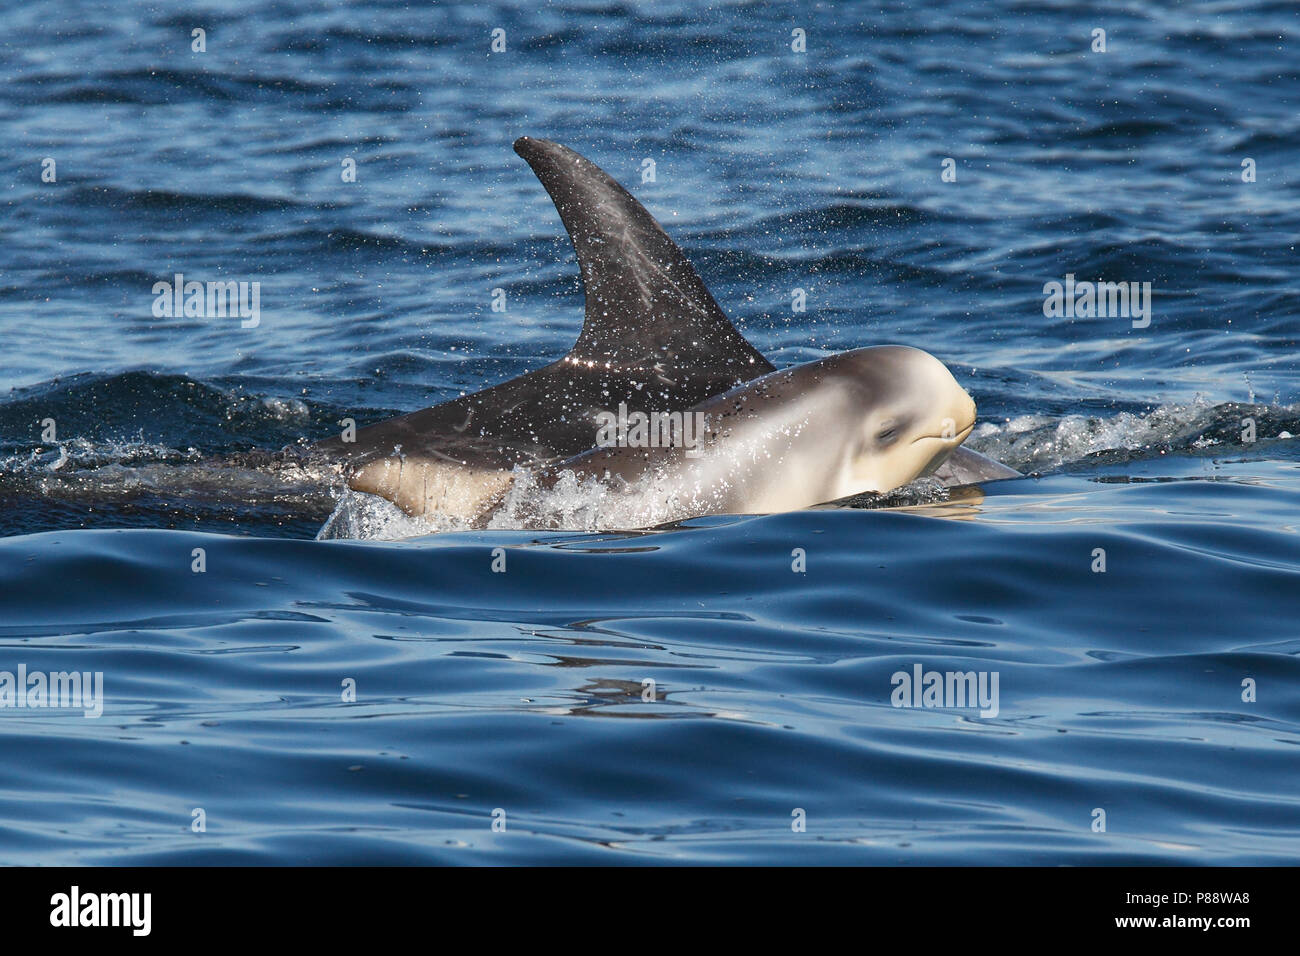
652 338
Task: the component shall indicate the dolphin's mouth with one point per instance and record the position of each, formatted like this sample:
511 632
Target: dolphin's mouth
956 439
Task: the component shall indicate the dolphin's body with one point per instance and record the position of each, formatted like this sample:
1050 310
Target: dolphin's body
653 339
862 421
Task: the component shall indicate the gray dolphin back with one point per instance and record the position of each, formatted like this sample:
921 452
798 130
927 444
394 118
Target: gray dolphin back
653 337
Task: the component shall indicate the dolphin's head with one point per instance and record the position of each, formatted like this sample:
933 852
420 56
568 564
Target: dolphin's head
909 415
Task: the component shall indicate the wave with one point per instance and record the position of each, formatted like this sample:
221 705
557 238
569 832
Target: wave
117 199
351 239
164 87
1043 443
154 408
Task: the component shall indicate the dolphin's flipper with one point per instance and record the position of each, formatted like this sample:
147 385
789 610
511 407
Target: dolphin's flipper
965 467
653 338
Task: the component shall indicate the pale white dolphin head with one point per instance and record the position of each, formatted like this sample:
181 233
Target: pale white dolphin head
910 416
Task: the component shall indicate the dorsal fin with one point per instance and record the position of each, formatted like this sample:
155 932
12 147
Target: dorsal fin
645 304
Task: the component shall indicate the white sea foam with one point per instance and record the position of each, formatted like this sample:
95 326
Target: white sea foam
1043 443
82 453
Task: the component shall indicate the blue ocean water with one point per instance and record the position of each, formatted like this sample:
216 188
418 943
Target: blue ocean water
1162 692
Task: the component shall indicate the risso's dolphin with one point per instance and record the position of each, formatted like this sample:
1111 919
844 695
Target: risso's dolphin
653 339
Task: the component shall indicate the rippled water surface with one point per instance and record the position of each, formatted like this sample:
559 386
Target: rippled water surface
1163 692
